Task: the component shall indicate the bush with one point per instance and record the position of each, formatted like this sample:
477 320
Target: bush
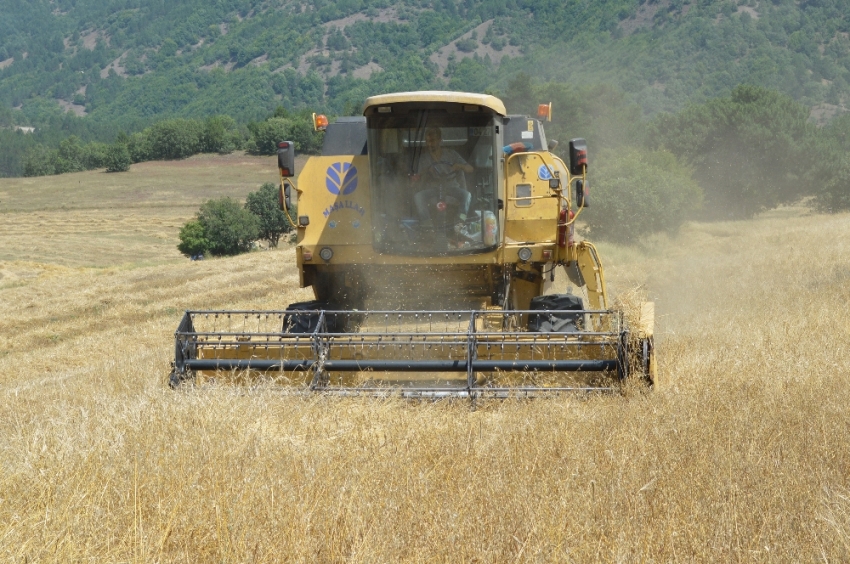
228 227
635 193
467 45
193 239
265 204
117 158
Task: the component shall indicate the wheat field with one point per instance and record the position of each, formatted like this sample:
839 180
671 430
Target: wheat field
741 457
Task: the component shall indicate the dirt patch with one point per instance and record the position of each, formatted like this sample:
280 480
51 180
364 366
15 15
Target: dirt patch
824 113
367 70
304 63
67 106
385 15
116 66
226 66
7 62
751 11
441 56
90 39
642 18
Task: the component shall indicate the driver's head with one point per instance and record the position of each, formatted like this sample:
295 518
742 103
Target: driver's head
433 136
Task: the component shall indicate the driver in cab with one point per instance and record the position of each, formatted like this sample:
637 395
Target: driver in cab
442 170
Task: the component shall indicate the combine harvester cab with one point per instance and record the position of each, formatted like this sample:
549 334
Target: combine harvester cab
430 230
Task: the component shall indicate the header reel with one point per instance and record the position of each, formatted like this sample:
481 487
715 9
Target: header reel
409 353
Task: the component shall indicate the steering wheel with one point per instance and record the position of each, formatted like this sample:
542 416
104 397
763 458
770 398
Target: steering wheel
434 171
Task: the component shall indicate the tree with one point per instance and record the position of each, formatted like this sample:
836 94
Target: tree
635 193
265 204
748 150
117 158
228 227
39 161
219 135
139 146
599 113
94 155
267 134
175 138
70 156
471 75
519 96
831 171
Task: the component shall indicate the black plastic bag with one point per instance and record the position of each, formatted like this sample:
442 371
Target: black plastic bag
560 322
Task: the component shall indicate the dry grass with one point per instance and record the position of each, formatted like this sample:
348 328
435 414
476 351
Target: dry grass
102 220
743 457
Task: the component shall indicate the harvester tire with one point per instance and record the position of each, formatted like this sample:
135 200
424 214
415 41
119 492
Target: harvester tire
306 323
645 368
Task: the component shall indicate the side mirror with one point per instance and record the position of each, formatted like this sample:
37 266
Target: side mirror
286 158
582 199
285 196
578 156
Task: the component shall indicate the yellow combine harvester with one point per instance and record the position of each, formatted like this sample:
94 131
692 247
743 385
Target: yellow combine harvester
430 230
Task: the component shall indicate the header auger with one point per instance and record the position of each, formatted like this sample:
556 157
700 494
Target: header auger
429 231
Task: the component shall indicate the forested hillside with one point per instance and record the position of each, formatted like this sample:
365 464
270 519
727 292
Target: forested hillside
130 61
105 70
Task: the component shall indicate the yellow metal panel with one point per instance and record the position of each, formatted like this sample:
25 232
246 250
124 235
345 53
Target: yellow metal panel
485 100
339 201
532 218
592 272
366 254
511 252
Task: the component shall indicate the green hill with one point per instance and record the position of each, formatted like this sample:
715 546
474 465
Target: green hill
125 64
130 61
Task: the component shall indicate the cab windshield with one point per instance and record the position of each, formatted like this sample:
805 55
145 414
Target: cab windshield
433 182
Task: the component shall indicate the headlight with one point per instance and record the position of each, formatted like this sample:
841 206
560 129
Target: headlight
524 254
326 253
